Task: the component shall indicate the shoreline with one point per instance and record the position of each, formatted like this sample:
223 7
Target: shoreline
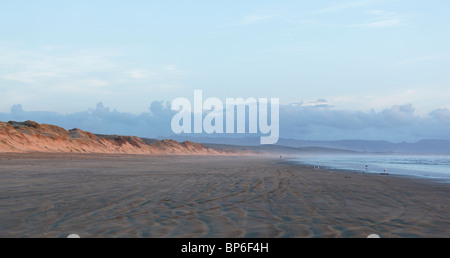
331 169
209 197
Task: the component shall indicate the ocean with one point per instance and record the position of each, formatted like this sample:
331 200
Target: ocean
433 167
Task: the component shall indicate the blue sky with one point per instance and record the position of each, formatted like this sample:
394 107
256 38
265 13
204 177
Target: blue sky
355 56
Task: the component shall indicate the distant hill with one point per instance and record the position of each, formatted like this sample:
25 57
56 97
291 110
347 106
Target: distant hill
421 147
277 149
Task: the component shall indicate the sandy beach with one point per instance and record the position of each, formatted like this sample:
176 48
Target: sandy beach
103 195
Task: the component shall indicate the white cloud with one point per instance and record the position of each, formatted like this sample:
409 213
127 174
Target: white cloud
382 19
381 12
138 74
44 65
393 22
419 59
425 99
320 103
252 18
249 19
376 101
346 6
62 77
97 83
159 73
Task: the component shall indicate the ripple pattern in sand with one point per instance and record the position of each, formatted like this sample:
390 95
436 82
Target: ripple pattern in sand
115 196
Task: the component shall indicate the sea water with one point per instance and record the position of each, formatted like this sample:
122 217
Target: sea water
434 167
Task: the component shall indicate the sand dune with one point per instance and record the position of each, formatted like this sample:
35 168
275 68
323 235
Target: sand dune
30 136
54 195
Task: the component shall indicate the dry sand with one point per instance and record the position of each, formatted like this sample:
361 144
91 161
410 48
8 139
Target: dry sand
54 195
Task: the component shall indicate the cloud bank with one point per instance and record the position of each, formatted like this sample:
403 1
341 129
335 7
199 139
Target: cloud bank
316 121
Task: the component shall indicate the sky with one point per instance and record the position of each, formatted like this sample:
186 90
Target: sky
349 59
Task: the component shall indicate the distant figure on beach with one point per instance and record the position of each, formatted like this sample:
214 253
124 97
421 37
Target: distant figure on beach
367 169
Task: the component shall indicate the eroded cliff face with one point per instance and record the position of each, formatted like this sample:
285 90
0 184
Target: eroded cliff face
30 136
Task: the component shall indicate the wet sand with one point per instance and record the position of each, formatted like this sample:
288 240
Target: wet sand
54 195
